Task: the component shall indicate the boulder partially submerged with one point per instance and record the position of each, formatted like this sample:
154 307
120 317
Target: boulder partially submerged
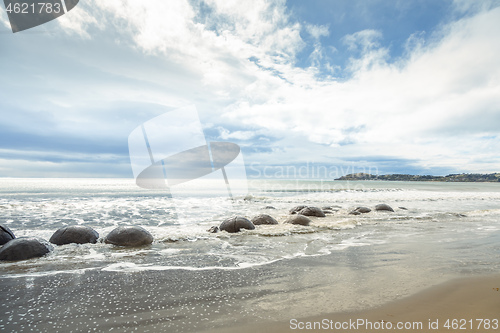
298 219
235 224
214 229
129 236
384 207
263 219
23 248
360 210
312 211
297 209
6 234
77 234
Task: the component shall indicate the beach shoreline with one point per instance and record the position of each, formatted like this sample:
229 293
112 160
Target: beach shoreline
189 280
467 304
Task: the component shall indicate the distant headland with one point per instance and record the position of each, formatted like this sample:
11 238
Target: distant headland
463 177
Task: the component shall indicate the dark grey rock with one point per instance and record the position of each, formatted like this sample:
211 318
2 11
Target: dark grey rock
298 219
383 207
297 209
129 236
403 208
360 210
269 207
236 223
5 234
263 219
78 234
327 211
312 211
214 229
23 248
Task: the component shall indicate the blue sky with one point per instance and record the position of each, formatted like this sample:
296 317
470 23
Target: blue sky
381 86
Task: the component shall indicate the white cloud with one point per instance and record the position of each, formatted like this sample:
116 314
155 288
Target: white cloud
363 40
317 31
238 135
77 21
417 108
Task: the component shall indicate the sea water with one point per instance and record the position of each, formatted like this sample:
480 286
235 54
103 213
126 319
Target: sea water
446 212
190 279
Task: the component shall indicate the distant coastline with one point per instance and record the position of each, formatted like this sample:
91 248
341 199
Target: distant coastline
463 177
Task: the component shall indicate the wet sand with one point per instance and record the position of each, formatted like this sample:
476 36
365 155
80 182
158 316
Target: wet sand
340 286
466 305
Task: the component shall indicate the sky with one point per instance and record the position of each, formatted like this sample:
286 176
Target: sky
325 87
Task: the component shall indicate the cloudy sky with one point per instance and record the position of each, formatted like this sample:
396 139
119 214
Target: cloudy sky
382 86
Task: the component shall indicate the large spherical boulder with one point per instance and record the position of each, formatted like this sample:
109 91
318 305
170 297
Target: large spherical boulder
263 219
236 223
384 207
23 248
297 209
5 234
129 236
298 219
312 211
78 234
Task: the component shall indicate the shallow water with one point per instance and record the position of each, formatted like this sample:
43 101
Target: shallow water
187 274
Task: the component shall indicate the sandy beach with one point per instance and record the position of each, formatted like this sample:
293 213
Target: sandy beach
460 305
342 268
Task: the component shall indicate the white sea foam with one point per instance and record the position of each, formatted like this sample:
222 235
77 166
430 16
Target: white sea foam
39 207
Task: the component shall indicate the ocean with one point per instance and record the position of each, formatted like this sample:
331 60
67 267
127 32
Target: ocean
190 279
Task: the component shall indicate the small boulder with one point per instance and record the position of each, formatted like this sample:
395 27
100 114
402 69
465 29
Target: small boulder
5 234
269 207
383 207
403 208
235 224
78 234
296 209
263 219
360 210
23 248
298 219
312 211
129 236
213 229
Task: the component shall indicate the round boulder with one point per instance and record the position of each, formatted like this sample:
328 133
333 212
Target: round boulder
298 219
23 248
360 210
297 209
129 236
235 224
78 234
383 207
363 210
5 234
312 211
264 219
